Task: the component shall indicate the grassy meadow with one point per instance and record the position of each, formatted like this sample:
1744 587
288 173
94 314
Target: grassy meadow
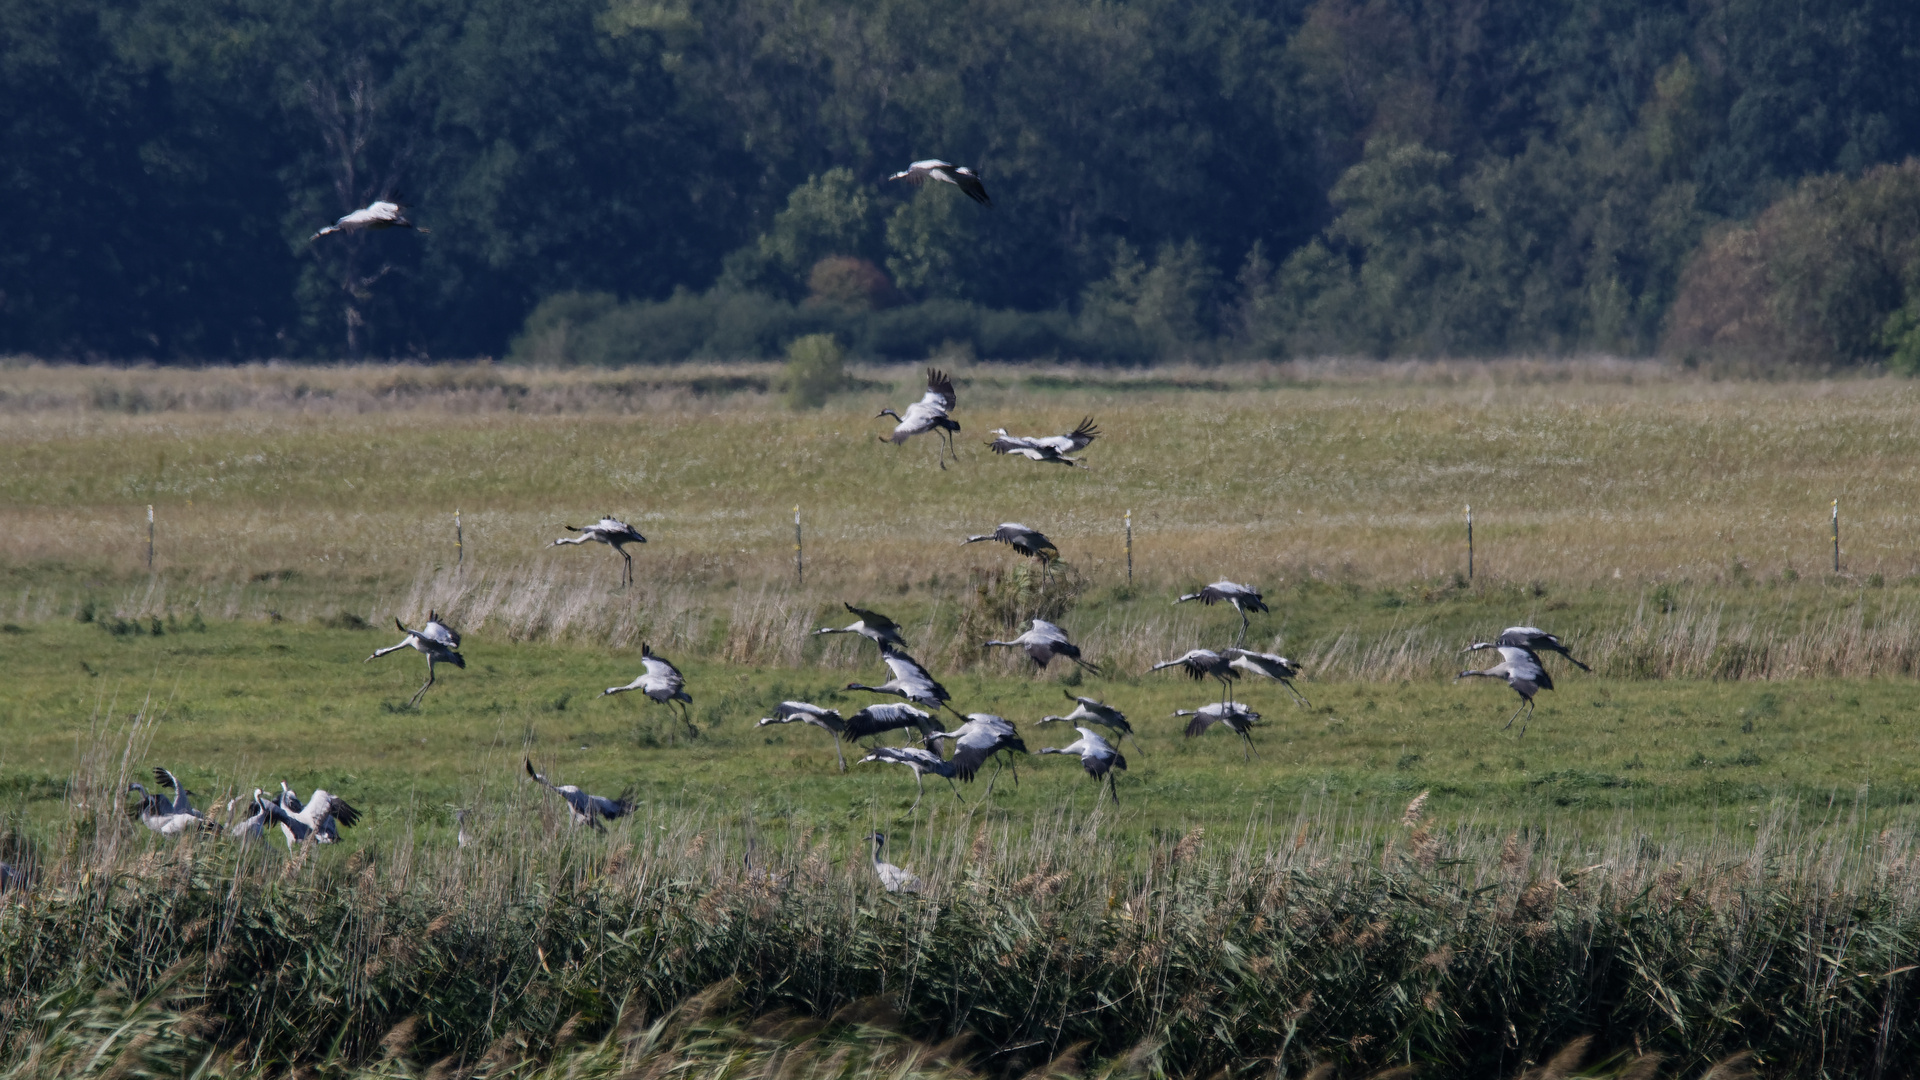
1748 706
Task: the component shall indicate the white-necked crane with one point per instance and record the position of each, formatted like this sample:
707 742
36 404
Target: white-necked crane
1044 642
1244 598
1273 666
1202 663
299 827
1531 638
871 625
611 531
586 809
1522 671
870 721
1071 443
927 414
254 825
921 762
981 737
911 681
436 641
892 878
959 176
1087 710
1098 756
169 817
662 683
1238 719
380 214
1044 454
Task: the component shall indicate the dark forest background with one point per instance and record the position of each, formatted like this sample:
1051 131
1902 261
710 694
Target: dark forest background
636 180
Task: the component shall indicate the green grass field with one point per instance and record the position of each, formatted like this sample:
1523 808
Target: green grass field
1704 847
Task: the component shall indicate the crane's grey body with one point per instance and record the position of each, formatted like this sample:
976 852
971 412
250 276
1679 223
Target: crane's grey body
1044 642
1071 443
870 721
872 625
1238 719
946 172
1531 638
911 681
1204 663
611 531
586 809
983 736
662 684
298 827
169 816
1098 757
927 414
254 825
1089 711
1016 447
436 641
1273 666
327 832
1244 598
921 762
1523 672
461 836
380 214
1029 542
892 878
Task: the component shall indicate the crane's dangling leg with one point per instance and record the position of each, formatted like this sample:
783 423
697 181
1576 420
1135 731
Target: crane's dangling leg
1524 702
1113 788
1242 639
422 692
626 578
686 717
920 792
837 753
1304 703
955 788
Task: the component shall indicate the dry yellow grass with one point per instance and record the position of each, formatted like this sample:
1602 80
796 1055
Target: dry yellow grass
305 490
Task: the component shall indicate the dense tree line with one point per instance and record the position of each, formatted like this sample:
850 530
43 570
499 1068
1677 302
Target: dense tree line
649 179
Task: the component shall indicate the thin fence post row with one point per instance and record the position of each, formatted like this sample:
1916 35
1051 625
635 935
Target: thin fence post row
149 537
1836 536
799 556
1129 548
459 540
1469 541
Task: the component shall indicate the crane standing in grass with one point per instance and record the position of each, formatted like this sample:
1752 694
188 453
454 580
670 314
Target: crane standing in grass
1244 598
436 641
1275 667
1071 443
585 809
892 878
1522 671
169 817
1099 758
611 531
928 414
662 683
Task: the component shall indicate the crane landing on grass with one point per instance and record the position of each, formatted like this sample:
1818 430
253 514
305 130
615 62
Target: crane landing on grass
1044 642
1089 711
1522 671
921 762
871 625
662 683
1238 718
1099 758
1275 667
1531 638
928 414
436 641
585 809
610 531
1244 598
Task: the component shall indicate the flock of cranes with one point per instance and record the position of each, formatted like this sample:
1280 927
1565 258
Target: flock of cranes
980 737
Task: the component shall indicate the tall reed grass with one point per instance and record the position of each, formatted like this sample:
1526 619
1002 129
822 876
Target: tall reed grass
1335 934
